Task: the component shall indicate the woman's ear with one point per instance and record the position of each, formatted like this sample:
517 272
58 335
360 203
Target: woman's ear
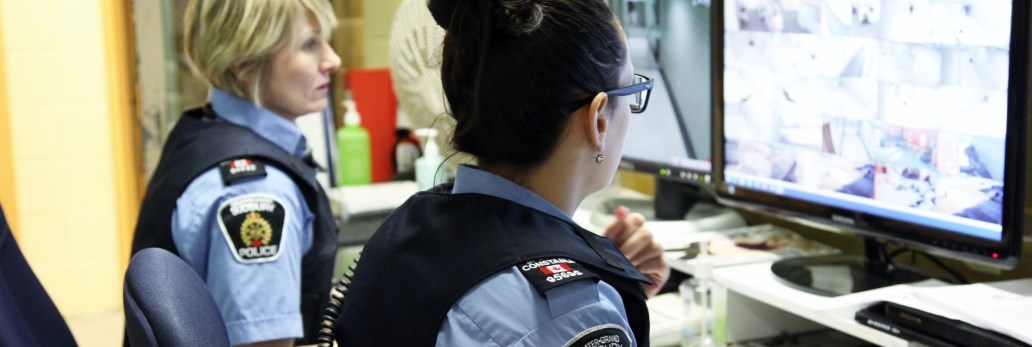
596 122
242 72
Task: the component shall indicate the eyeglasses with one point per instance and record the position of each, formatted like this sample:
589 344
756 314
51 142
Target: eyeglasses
640 88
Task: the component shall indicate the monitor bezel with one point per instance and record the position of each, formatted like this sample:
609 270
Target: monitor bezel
667 170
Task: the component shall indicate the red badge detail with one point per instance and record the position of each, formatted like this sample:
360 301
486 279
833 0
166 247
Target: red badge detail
551 269
256 243
240 163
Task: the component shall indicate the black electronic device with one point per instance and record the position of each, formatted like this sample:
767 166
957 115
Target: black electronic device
875 317
669 41
903 122
934 330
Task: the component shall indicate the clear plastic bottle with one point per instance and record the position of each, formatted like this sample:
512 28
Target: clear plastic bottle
427 175
703 326
691 323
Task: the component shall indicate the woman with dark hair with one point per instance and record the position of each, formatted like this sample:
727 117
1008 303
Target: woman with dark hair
541 91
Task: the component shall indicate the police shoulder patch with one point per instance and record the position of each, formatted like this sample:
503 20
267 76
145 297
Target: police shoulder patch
253 227
605 335
241 168
548 273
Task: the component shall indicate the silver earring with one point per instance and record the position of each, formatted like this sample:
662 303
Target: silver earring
599 158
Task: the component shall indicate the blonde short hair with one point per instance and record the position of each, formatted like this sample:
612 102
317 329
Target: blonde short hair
219 34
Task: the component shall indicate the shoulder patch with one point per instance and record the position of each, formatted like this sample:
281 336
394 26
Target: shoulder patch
548 273
605 335
253 227
237 169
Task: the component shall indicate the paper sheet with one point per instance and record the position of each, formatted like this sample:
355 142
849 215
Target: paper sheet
982 305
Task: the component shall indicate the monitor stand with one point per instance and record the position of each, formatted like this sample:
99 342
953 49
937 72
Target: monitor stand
841 274
691 206
674 199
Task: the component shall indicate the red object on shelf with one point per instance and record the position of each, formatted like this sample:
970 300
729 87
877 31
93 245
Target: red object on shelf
374 96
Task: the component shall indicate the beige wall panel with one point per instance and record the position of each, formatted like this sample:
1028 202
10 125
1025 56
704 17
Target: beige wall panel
57 78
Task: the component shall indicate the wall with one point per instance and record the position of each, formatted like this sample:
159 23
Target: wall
360 39
67 149
7 191
379 15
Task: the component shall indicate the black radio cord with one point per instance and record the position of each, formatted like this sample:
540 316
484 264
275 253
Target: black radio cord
332 310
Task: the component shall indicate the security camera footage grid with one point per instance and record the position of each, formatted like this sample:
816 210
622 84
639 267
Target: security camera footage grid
898 106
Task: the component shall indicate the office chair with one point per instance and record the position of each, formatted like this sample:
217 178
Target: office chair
167 304
27 315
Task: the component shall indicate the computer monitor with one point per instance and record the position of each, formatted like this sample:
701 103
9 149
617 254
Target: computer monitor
669 41
901 121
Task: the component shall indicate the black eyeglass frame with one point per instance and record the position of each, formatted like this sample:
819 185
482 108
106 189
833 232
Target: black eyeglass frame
645 85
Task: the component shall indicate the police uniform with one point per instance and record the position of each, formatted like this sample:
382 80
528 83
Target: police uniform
487 262
28 317
233 197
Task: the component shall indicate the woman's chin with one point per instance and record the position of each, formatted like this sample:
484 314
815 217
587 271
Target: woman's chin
316 107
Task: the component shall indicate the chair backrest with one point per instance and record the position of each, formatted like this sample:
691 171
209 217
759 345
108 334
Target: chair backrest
27 315
167 303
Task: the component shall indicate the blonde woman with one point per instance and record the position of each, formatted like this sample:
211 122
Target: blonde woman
232 194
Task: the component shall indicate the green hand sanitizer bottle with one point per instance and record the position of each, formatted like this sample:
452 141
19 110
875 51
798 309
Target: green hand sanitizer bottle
353 148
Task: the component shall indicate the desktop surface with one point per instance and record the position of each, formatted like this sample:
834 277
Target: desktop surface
757 282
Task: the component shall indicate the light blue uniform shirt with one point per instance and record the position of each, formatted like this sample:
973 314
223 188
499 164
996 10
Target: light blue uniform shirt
506 310
259 301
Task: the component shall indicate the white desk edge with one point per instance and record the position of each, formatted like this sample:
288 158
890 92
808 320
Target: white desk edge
758 282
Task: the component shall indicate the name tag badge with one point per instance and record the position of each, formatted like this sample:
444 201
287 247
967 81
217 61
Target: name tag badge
548 273
242 168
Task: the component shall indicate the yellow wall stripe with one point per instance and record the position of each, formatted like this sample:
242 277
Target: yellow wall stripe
6 152
121 66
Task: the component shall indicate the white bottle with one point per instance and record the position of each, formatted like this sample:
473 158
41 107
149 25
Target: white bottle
427 166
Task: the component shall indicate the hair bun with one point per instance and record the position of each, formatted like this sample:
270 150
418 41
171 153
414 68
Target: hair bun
521 16
442 11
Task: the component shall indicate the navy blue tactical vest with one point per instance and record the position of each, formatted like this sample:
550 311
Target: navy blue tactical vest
28 317
198 143
436 246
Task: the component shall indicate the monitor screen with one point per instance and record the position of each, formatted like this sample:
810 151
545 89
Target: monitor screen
669 41
898 119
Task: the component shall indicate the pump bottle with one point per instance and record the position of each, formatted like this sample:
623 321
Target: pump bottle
427 165
704 303
354 166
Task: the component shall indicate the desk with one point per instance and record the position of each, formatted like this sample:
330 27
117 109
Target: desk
759 305
362 208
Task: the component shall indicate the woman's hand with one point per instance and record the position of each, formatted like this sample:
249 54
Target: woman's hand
637 244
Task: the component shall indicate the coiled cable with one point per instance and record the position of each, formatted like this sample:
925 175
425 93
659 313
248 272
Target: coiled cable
332 310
